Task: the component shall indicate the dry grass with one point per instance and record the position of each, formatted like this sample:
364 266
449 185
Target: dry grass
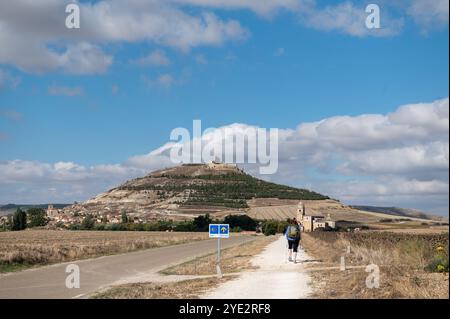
40 247
188 289
402 259
233 259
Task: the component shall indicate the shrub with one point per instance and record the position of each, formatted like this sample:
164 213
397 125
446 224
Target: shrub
100 227
282 226
88 222
75 227
202 222
438 264
186 226
270 227
236 229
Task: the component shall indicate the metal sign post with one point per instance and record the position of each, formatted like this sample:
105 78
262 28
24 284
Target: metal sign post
219 231
218 250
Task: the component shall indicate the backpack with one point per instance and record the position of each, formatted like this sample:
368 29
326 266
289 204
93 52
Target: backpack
292 232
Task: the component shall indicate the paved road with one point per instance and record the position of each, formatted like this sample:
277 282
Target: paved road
50 281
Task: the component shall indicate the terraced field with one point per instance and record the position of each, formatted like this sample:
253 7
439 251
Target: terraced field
334 209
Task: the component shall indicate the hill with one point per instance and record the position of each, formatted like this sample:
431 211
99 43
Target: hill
190 189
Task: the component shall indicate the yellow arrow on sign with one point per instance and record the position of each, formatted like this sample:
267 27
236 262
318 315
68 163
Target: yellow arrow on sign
223 229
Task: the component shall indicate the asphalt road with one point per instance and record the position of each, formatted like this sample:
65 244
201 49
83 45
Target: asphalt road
50 281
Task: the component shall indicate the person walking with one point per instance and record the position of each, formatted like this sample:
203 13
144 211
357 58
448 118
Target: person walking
293 237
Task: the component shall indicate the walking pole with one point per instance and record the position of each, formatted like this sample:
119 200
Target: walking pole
286 249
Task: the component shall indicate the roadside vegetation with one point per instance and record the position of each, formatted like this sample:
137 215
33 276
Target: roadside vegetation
411 265
36 217
186 289
201 223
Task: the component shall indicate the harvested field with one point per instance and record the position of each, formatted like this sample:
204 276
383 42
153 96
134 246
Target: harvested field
411 229
411 265
40 247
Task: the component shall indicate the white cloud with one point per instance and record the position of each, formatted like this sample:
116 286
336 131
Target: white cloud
29 181
350 19
429 14
84 58
66 91
155 58
428 160
45 44
33 36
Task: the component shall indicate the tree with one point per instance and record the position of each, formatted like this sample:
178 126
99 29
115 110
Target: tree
88 222
202 222
124 218
242 221
19 221
37 217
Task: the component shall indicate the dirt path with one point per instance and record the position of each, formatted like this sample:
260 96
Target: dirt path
276 278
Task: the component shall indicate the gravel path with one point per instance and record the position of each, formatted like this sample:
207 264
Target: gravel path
276 278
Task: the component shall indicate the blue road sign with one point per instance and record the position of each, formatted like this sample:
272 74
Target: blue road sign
219 230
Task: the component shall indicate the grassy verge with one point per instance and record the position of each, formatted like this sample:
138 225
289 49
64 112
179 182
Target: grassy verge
5 268
233 259
411 266
187 289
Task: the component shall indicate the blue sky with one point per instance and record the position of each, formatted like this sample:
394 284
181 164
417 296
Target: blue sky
279 72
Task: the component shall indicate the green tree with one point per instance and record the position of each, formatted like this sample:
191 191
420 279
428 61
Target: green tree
19 221
242 221
201 222
124 218
37 217
88 222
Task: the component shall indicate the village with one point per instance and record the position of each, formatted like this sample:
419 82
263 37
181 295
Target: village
75 215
